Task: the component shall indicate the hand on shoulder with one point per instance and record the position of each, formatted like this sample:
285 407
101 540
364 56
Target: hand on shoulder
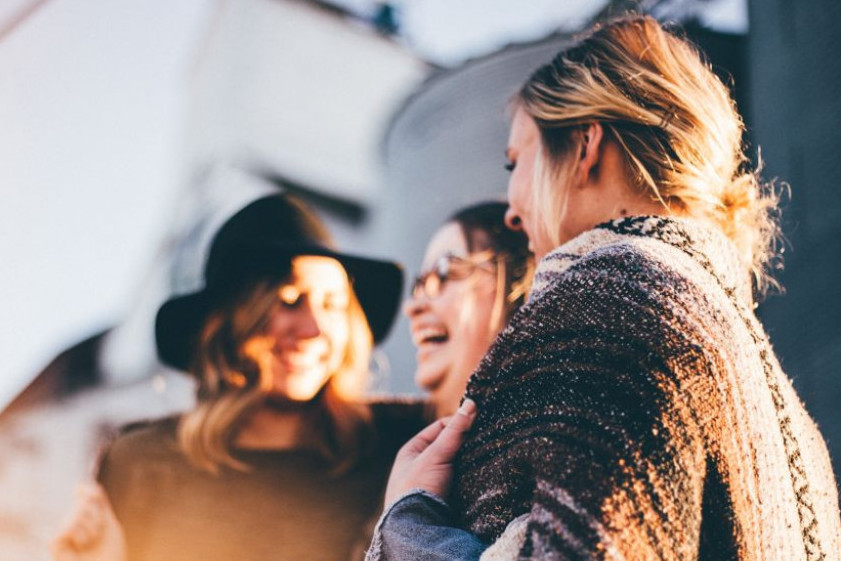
91 532
425 461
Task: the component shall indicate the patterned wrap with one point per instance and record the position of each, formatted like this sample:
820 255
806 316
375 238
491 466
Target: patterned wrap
634 409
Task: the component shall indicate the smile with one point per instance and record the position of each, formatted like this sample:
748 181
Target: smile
300 362
429 335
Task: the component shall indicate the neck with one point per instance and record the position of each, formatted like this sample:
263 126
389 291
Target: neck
273 428
607 193
629 203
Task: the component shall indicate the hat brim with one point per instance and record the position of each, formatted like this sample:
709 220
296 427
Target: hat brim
378 286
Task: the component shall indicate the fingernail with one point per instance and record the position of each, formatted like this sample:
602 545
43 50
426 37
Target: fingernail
467 407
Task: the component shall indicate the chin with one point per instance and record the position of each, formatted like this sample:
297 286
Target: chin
427 377
297 396
304 395
301 386
282 402
293 399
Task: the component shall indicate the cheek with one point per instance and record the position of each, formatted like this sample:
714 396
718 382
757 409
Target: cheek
277 326
520 193
513 190
471 311
447 305
482 317
337 333
475 335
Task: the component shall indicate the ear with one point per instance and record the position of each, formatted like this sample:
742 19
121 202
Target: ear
591 142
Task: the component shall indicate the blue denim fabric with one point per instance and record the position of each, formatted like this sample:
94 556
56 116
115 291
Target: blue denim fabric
421 526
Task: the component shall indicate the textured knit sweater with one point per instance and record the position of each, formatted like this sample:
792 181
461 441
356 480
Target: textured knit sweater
634 410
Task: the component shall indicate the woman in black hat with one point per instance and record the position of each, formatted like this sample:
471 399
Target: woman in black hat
282 458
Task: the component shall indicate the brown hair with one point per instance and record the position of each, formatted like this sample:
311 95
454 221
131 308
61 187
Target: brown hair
674 121
483 226
232 384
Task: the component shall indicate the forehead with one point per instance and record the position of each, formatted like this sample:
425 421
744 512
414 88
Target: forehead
317 272
524 131
448 239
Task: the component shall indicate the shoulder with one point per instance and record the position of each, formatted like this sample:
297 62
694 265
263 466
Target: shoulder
627 276
659 258
148 432
139 465
616 301
625 260
141 441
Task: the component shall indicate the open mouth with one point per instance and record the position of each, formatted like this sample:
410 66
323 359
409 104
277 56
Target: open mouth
430 335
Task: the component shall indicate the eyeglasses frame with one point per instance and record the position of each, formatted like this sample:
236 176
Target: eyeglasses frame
442 271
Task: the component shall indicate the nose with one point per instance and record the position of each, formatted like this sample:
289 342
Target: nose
512 220
307 323
416 304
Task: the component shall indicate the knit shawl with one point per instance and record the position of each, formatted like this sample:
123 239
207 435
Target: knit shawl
634 410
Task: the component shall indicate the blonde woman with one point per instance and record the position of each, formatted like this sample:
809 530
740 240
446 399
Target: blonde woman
282 458
634 408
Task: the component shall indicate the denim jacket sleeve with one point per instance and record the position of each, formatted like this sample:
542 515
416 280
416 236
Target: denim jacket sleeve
420 525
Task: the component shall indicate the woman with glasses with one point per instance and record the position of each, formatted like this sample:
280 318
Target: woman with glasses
476 274
634 408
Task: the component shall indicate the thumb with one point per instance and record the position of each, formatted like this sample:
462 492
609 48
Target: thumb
445 447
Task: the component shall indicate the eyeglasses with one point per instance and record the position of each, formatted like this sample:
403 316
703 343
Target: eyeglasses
451 267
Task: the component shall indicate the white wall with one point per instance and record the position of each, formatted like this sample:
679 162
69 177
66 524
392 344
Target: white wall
92 106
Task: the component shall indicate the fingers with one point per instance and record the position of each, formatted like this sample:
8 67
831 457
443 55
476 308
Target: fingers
97 496
424 438
425 462
463 418
448 441
91 494
86 522
62 550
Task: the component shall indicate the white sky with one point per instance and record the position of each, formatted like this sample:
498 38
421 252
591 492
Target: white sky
91 102
449 32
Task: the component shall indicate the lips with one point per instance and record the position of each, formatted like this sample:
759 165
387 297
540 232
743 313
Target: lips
292 361
429 335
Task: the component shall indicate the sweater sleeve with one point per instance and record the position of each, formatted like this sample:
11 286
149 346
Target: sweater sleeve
584 428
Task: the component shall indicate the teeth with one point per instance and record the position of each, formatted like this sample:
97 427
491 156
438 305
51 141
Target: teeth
427 334
297 360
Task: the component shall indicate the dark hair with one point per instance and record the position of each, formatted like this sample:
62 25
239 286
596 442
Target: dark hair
483 226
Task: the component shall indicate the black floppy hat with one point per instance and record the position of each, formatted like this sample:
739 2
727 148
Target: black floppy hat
259 242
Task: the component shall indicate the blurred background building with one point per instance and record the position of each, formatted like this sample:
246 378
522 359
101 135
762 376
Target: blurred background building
132 131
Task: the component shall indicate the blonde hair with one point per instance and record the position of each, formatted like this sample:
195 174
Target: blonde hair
672 118
232 384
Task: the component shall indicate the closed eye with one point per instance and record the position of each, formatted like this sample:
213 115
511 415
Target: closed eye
290 297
